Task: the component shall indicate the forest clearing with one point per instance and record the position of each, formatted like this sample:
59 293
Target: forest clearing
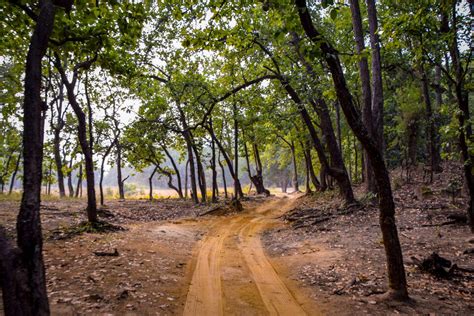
236 158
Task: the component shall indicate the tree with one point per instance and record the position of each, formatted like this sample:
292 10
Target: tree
396 270
23 277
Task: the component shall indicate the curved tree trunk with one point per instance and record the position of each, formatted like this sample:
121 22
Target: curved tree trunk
83 140
227 159
176 170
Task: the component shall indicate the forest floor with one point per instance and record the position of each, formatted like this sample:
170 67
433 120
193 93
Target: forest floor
172 261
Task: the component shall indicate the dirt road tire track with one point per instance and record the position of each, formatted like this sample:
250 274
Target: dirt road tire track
205 292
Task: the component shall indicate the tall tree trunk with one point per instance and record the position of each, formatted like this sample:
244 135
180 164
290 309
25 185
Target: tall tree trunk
215 191
337 161
435 158
150 182
12 181
101 179
59 162
69 179
436 116
23 277
462 98
338 124
365 82
307 167
312 174
102 166
356 166
258 177
339 171
83 141
296 187
119 171
393 252
79 181
5 173
377 84
50 175
224 182
412 137
186 179
237 188
191 167
247 161
230 166
201 174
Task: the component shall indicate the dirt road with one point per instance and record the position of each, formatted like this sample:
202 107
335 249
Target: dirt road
232 274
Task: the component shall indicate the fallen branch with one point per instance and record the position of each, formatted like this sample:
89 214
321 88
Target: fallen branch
107 254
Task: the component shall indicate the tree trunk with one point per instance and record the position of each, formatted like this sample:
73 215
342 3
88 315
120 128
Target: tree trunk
412 131
169 176
223 175
338 124
312 174
191 167
69 179
284 184
50 175
57 142
462 98
365 82
5 173
436 116
79 181
186 180
215 191
119 172
201 174
176 170
307 167
435 158
150 182
23 276
227 159
12 181
338 171
59 162
337 162
296 187
258 177
102 165
83 141
393 252
237 187
377 84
